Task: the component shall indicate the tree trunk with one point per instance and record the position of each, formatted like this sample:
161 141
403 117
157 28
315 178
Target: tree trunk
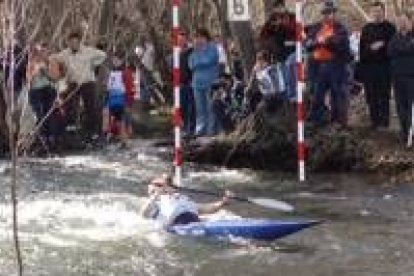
221 7
268 6
106 41
157 39
3 125
244 36
242 32
106 24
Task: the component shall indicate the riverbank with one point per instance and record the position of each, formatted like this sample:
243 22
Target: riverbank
329 151
268 142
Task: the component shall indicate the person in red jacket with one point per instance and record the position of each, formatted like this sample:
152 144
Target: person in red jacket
119 99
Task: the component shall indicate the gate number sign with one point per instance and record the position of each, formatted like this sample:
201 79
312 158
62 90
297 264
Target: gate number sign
238 10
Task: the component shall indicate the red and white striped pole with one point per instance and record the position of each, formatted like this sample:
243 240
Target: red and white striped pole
177 117
300 85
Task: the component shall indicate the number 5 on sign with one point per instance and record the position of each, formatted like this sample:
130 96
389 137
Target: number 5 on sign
238 10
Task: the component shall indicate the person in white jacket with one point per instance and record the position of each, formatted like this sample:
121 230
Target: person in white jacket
80 62
169 207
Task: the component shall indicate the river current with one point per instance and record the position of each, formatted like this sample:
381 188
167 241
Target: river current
78 215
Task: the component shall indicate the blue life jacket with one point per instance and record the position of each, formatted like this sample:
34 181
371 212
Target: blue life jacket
116 89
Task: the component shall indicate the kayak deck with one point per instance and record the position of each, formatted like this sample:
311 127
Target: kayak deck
256 229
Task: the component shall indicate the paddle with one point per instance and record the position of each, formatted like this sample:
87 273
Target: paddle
264 202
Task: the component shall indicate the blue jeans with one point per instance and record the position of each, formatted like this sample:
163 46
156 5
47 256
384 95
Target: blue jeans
145 93
290 77
331 77
41 101
278 75
312 68
188 108
205 118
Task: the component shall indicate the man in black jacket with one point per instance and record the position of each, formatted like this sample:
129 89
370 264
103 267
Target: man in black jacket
374 65
401 51
186 92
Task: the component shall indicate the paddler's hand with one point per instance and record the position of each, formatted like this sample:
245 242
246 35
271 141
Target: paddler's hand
227 197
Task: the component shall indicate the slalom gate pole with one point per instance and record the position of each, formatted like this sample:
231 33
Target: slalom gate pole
177 114
300 86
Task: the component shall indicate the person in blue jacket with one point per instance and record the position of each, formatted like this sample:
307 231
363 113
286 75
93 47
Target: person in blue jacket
204 64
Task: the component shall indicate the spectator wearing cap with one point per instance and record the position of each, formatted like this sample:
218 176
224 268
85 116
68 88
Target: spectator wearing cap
80 62
328 42
204 64
374 65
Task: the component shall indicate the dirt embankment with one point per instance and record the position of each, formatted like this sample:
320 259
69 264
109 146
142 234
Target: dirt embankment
268 142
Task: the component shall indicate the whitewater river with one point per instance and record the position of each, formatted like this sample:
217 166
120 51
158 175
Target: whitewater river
79 216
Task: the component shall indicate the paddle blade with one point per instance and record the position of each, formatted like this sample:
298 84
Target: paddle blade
272 204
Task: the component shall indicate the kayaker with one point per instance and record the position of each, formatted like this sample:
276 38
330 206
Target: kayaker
167 205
